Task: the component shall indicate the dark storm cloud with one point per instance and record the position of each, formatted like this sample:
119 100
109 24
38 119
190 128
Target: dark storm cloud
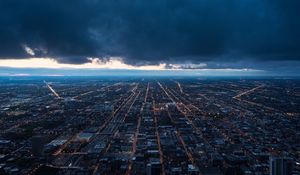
149 32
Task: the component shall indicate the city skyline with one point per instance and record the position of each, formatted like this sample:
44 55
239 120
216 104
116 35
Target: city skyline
149 126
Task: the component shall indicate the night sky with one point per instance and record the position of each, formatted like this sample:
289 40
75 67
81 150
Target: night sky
219 34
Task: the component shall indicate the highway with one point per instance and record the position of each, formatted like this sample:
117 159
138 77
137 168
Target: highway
248 92
52 90
178 134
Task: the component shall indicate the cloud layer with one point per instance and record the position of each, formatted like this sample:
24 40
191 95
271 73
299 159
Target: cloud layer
152 32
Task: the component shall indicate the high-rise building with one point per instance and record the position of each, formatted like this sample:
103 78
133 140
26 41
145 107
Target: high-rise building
37 143
281 166
153 168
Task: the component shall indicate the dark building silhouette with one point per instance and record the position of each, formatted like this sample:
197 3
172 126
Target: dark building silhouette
37 145
281 166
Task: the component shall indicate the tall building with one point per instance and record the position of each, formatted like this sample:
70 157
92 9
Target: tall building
37 145
281 166
153 168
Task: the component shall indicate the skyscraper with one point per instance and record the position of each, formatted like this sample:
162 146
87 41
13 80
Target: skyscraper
37 145
281 166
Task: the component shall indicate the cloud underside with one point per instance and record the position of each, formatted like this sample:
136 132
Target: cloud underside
189 34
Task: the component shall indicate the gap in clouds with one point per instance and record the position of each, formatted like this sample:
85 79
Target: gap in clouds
111 63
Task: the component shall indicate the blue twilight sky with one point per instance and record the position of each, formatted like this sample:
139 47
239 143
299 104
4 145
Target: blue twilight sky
193 37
